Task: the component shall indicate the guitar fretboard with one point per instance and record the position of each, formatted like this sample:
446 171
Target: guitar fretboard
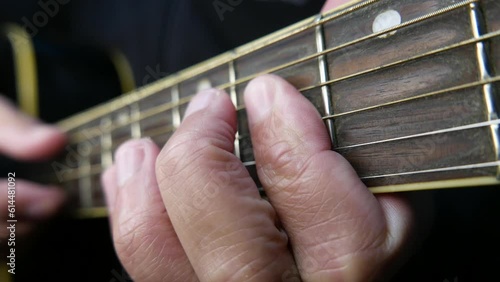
408 91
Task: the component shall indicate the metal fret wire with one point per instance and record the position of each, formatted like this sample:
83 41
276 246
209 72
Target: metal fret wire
174 104
324 76
234 99
135 128
85 183
96 169
484 69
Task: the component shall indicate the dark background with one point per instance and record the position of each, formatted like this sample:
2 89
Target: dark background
162 37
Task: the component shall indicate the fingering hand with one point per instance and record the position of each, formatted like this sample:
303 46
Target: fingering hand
25 139
192 212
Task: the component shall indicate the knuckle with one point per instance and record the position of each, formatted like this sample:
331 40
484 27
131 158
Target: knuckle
189 148
282 165
136 244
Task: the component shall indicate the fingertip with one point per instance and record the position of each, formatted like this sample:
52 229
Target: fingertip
278 108
134 156
206 99
201 101
259 97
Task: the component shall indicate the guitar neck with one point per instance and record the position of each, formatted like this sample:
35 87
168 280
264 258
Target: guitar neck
407 89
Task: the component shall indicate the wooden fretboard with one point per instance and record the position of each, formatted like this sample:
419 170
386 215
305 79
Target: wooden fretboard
408 91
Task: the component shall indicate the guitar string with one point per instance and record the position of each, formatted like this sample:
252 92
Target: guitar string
351 43
96 169
156 132
412 136
84 134
434 170
478 83
168 130
487 81
484 165
421 96
169 106
311 87
139 93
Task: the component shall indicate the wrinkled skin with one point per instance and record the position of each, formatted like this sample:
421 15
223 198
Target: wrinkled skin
192 212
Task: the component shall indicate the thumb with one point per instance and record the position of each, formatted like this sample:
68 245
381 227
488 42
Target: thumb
24 138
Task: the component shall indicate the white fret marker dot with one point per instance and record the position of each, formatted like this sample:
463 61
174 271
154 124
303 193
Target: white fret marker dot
386 20
204 84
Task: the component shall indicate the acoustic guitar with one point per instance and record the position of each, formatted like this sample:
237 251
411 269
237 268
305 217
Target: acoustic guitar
408 90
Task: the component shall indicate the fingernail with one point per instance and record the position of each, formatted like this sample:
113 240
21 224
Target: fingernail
128 162
201 101
259 98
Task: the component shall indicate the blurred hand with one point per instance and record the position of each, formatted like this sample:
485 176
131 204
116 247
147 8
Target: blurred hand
25 139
